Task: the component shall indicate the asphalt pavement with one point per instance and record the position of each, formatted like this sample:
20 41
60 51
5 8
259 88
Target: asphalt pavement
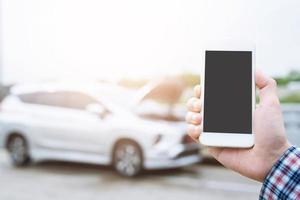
73 181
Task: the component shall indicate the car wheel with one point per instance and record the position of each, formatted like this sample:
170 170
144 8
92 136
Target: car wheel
18 150
127 158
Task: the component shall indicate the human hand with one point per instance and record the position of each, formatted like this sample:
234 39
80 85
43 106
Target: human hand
270 138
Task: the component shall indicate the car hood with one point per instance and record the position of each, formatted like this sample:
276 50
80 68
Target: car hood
168 90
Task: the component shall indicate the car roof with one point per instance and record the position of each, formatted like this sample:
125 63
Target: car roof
104 91
64 86
167 90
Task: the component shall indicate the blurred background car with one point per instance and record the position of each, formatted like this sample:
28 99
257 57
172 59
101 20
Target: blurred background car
60 122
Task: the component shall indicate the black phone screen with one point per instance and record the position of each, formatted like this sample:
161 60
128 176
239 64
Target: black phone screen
228 92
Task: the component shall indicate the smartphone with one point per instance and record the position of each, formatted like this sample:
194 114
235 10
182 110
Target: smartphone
228 96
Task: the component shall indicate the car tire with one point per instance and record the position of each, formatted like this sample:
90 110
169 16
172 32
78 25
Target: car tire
127 158
18 150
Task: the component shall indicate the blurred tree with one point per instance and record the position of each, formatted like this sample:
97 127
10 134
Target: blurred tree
292 98
293 75
282 81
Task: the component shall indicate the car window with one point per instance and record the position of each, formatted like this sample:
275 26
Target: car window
66 99
34 98
77 100
27 98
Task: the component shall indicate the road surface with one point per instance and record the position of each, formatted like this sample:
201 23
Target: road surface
62 181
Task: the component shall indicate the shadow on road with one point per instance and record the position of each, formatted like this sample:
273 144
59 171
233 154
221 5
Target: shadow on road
73 168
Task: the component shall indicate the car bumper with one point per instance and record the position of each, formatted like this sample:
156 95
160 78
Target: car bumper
181 155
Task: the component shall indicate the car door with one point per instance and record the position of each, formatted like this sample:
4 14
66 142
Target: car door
86 131
60 122
43 119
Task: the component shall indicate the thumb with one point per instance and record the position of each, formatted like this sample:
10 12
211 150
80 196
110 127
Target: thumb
267 89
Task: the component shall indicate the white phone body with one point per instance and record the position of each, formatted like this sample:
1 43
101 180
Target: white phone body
221 139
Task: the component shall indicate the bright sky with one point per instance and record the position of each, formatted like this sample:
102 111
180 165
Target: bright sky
62 39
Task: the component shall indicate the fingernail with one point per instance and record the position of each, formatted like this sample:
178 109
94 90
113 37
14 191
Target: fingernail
194 117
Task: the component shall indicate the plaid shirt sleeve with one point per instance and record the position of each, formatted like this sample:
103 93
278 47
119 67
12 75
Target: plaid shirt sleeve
283 181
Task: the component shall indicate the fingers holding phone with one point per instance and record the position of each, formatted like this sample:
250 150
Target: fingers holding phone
194 116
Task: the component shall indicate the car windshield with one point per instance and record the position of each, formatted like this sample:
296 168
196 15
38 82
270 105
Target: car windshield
151 109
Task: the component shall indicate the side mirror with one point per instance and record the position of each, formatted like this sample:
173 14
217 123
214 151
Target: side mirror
97 109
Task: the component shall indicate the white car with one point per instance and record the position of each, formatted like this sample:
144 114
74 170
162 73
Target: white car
76 124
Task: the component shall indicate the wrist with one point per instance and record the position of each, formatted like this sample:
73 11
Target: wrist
280 152
281 180
274 158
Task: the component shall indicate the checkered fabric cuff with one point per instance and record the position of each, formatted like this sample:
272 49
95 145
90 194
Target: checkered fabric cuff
283 181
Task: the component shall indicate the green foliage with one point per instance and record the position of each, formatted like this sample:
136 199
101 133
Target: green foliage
293 75
257 98
292 98
282 81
